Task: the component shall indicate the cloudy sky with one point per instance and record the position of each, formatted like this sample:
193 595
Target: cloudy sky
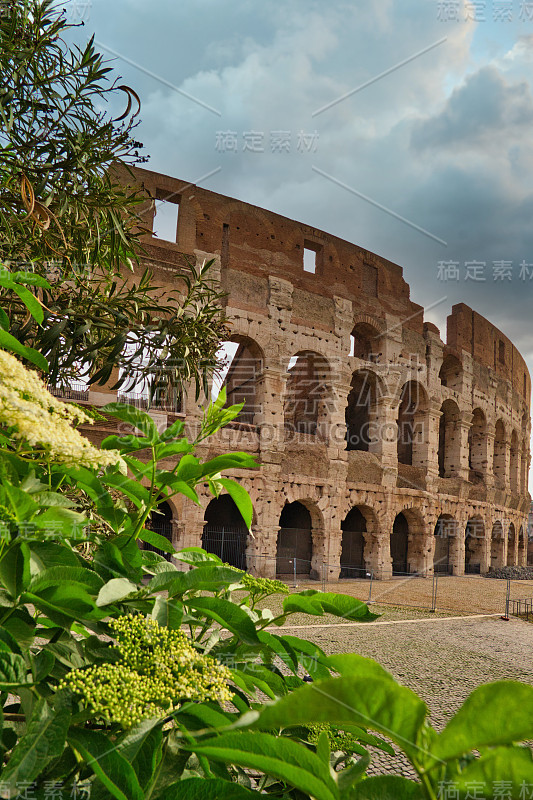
401 125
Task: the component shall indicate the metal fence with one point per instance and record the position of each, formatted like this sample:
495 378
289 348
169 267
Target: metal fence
229 544
74 391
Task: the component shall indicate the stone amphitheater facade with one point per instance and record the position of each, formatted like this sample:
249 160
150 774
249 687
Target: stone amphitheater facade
381 447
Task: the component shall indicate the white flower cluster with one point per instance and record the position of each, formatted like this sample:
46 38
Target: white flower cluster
41 420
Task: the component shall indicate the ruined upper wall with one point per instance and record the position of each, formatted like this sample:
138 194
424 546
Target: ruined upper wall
468 330
254 244
260 243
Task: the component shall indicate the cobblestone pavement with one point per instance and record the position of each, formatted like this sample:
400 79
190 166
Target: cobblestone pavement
442 660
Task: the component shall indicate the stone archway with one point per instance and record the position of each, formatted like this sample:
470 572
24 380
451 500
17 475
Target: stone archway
160 522
522 548
475 547
294 551
445 533
352 560
497 546
511 545
225 532
399 545
307 401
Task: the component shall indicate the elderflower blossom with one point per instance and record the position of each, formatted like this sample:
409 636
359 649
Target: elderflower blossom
157 671
38 418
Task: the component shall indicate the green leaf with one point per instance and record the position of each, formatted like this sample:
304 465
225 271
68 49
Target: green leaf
209 578
125 444
141 747
318 603
132 489
114 590
8 642
13 670
240 497
62 522
21 503
108 765
200 715
173 431
202 789
189 468
15 568
62 603
4 320
496 713
227 614
134 416
235 460
511 766
310 656
173 449
360 699
30 301
155 539
386 787
168 613
196 555
279 757
77 575
43 741
178 486
8 342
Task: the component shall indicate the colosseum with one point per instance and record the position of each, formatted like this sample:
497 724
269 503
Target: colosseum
382 449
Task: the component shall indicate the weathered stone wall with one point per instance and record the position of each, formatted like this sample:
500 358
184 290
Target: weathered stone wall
460 409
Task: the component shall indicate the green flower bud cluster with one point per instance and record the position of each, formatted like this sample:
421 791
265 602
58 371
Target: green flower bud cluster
262 585
157 671
339 740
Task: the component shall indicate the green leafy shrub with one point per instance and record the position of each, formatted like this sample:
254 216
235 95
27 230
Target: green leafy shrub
134 677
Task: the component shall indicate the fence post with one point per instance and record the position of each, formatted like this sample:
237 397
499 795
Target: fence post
294 571
370 587
434 593
324 565
507 599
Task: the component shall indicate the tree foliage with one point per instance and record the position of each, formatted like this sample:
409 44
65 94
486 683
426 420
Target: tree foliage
72 214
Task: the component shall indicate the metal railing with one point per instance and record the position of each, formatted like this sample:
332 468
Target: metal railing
143 401
74 391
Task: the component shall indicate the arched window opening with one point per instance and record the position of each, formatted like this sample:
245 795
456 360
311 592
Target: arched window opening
160 521
307 393
522 547
514 465
511 544
477 444
411 424
445 531
399 545
451 373
365 343
225 532
353 545
474 544
240 367
361 411
524 464
497 546
449 440
499 456
295 540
